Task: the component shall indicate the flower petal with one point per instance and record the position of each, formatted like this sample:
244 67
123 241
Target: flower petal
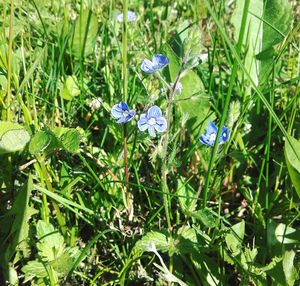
143 122
160 60
155 112
147 66
122 119
124 106
161 124
116 111
224 135
151 131
205 140
212 128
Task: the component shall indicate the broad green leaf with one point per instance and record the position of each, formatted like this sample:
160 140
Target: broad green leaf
286 234
277 19
192 101
252 39
289 269
186 240
206 216
159 239
235 238
70 88
85 34
186 196
13 137
39 142
34 269
64 263
51 242
70 140
292 155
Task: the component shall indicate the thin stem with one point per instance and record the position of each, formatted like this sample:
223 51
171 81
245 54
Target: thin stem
10 38
124 51
165 145
226 105
128 197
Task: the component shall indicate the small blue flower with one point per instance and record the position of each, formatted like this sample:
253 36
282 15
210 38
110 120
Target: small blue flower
209 137
122 112
131 17
158 62
152 121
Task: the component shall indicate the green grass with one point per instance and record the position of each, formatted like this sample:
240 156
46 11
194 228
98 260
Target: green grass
87 201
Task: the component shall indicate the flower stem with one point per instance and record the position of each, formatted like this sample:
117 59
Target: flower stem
128 198
124 51
165 145
227 101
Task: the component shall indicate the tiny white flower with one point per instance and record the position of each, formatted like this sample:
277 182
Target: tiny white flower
131 17
95 104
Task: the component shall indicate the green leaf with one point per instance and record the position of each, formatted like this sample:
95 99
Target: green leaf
289 269
71 140
186 196
51 242
64 263
85 34
70 88
277 19
235 238
253 38
159 239
186 241
34 269
39 142
292 155
17 235
206 216
13 137
286 235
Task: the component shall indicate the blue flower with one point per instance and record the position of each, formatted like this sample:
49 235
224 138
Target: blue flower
122 112
158 62
209 137
152 121
131 17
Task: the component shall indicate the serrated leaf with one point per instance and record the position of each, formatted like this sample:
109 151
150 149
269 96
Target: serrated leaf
186 196
71 140
159 239
85 34
51 242
13 137
64 263
186 240
34 269
206 216
292 155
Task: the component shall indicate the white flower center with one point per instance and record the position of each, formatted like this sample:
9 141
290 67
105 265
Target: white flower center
224 135
125 113
152 121
212 137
